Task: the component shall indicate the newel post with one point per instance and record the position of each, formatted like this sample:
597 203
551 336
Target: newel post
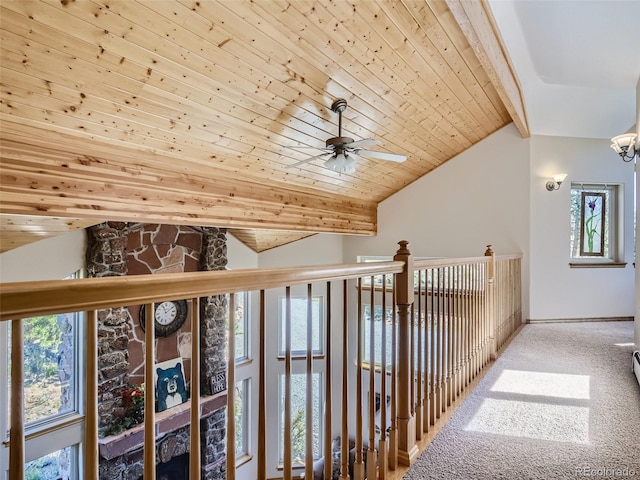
407 448
491 302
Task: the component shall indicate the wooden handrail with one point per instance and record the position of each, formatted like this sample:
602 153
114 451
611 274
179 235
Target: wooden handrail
28 299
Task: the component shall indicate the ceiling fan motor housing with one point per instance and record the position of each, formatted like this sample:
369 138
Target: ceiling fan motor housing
338 141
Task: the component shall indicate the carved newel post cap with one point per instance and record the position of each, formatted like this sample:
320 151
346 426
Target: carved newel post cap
403 250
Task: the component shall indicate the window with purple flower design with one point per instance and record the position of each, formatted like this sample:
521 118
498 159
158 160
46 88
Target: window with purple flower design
595 223
592 225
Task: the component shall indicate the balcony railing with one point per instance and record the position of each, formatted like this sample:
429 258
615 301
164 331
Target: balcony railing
440 323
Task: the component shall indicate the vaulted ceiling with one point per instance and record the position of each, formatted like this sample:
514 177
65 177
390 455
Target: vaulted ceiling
187 111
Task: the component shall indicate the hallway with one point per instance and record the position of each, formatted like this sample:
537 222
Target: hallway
561 402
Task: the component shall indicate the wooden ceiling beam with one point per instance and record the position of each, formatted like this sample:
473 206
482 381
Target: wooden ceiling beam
88 187
477 24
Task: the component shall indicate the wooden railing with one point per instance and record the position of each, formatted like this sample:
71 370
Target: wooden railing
440 323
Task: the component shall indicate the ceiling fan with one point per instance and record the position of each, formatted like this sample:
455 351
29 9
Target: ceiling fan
343 151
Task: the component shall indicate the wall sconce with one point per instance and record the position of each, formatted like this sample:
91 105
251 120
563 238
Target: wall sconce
625 146
556 182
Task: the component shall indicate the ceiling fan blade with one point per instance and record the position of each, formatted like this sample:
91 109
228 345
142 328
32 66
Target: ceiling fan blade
394 157
305 147
364 143
309 159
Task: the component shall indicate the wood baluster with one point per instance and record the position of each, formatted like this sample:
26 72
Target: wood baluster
149 455
16 434
358 466
418 375
288 467
412 366
382 443
231 389
450 335
344 438
432 361
262 395
439 334
393 431
371 447
474 322
328 437
480 313
457 327
91 457
425 352
194 431
466 325
308 471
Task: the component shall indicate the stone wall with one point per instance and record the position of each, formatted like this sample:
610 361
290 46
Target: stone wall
106 257
116 248
213 359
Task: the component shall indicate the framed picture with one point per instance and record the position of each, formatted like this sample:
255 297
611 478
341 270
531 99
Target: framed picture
592 212
171 389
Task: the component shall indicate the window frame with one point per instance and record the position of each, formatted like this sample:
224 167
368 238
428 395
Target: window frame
246 330
245 418
613 210
57 432
300 463
302 353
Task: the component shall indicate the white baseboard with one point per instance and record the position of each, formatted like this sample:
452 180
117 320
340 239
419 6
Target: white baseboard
572 320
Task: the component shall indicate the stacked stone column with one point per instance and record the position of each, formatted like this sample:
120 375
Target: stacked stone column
213 313
107 257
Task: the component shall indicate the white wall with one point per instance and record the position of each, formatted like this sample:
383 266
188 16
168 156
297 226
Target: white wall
315 250
49 259
239 256
478 198
557 291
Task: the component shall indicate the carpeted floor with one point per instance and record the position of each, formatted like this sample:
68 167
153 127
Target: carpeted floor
561 402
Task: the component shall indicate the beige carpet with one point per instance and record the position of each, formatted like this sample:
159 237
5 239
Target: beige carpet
561 402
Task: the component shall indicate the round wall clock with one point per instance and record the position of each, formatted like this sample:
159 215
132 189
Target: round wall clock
168 316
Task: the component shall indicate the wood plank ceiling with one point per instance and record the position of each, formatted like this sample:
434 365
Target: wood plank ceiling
186 111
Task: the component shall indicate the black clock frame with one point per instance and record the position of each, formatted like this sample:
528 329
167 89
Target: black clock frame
174 326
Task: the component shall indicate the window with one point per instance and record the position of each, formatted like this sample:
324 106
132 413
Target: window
377 326
241 412
596 224
241 306
299 325
52 365
61 464
299 416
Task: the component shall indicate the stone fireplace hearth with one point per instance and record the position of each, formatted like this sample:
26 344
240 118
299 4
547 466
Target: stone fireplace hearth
117 248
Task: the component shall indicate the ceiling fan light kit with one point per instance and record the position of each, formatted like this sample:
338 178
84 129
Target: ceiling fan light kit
344 151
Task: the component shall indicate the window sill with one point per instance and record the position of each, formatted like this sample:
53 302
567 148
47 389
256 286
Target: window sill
301 356
597 264
243 459
243 362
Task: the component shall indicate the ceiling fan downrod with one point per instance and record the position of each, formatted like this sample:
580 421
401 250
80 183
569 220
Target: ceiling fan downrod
339 106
